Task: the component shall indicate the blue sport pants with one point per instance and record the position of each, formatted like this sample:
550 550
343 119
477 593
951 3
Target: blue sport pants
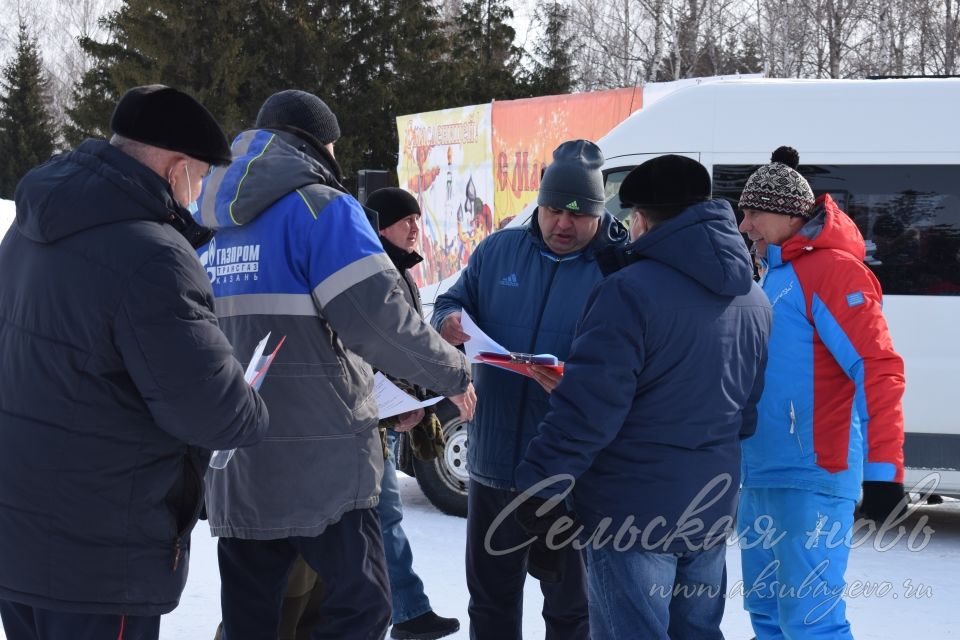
793 585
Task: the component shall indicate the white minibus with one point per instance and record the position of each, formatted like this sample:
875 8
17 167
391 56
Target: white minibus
888 151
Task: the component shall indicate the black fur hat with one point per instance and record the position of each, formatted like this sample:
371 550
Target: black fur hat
164 117
666 181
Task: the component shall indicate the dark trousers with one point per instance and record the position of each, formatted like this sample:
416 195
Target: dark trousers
348 558
496 582
21 622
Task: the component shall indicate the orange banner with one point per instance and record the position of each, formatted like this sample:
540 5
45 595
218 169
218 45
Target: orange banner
525 133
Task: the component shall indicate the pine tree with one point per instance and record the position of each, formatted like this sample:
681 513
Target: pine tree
552 67
488 62
94 96
370 60
27 132
208 49
405 67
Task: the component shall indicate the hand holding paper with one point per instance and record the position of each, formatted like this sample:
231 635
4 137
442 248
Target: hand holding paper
452 330
253 376
392 400
485 350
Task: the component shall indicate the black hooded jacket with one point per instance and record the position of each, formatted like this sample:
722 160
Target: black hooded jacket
116 381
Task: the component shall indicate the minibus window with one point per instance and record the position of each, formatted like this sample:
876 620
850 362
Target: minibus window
909 216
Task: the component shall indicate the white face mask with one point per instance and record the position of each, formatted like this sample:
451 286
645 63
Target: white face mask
190 200
189 186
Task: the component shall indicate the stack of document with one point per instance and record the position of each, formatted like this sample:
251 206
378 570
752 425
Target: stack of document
483 349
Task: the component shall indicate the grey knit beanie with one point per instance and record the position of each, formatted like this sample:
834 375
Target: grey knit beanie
305 111
778 187
573 181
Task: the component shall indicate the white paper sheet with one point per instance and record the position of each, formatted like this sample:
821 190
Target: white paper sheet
392 400
219 459
479 341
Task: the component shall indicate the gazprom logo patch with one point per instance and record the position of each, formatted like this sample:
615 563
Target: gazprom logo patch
855 299
231 264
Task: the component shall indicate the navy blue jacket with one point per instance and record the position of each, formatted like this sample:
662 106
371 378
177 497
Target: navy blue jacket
662 381
116 380
527 299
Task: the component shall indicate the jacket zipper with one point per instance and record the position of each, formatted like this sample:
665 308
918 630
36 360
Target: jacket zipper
195 475
526 382
793 426
177 552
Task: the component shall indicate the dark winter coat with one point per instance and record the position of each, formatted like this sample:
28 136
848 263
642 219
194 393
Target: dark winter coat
116 381
528 300
662 381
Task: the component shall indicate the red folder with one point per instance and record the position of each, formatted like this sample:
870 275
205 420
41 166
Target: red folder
520 362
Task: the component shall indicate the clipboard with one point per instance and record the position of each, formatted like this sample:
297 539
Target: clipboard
520 362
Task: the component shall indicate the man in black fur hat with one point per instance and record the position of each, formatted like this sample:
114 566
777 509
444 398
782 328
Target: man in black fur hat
660 386
117 378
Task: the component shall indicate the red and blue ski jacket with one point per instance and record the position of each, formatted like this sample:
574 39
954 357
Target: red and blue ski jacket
831 414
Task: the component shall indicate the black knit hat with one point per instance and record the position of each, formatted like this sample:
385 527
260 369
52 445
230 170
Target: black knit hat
573 181
666 181
305 111
392 205
778 187
163 117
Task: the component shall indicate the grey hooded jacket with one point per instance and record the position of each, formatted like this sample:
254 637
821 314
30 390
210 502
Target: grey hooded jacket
297 257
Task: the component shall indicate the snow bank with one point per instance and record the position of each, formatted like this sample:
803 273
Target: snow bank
7 213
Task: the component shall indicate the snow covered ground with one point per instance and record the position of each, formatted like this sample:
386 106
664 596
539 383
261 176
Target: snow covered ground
906 591
930 613
438 543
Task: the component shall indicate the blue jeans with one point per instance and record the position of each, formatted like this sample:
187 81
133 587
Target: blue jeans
656 596
409 599
793 587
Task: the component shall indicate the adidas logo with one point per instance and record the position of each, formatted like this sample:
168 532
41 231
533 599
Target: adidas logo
572 206
510 280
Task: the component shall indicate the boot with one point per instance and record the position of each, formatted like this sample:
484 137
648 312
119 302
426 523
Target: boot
428 626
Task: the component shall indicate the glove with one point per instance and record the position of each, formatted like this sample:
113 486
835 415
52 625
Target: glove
426 439
382 427
543 563
883 500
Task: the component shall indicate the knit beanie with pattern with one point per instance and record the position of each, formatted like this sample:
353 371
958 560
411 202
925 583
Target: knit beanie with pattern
778 187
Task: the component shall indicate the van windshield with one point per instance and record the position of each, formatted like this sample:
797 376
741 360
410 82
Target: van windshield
611 196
